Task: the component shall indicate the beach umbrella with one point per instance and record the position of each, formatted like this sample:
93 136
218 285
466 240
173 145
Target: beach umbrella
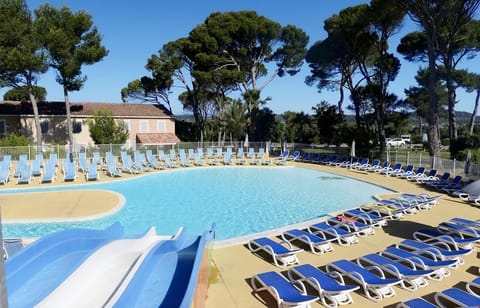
388 153
352 149
472 188
468 162
352 153
245 144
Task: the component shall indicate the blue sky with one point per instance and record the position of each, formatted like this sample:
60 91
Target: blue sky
133 31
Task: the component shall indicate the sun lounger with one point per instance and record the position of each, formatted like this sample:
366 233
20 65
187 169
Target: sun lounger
420 172
466 231
475 224
372 217
453 238
412 279
320 159
393 170
48 174
375 285
112 168
398 207
409 170
69 170
416 303
379 167
362 229
4 175
430 176
423 260
441 250
91 172
339 161
318 245
283 291
281 255
26 175
331 287
474 286
82 162
344 235
152 160
444 179
454 184
455 297
363 164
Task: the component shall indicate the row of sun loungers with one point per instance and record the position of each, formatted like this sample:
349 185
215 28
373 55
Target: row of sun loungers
141 162
409 264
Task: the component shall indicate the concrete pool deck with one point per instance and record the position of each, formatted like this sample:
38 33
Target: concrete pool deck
233 266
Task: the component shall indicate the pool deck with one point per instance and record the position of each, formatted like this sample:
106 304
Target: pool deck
233 265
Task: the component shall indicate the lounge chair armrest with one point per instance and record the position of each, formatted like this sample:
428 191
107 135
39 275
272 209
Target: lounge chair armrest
376 269
336 275
299 285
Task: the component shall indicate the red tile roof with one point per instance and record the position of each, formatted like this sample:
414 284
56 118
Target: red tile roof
85 109
157 138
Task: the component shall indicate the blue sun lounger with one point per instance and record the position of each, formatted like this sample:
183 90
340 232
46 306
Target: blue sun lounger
281 255
331 287
372 217
318 245
284 291
475 224
362 229
455 297
423 260
344 235
416 303
474 286
467 231
412 279
453 238
441 250
375 286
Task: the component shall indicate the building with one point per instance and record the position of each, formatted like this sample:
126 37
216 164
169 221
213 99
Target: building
146 123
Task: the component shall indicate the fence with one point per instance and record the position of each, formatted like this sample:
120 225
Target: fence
416 158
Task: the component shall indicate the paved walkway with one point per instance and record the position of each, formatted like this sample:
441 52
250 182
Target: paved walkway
233 266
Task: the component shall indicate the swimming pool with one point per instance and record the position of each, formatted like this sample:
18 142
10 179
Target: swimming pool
239 200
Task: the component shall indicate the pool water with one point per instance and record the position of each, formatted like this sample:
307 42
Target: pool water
239 200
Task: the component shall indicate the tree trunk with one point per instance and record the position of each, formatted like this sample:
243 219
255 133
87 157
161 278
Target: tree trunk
69 120
452 119
36 116
471 125
432 115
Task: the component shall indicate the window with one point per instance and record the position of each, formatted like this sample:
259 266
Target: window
127 124
143 126
44 126
3 127
161 126
77 127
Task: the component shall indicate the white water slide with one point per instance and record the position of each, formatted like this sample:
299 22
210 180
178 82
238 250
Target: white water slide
95 280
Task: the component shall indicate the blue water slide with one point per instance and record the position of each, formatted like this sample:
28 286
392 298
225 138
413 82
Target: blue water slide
40 267
167 276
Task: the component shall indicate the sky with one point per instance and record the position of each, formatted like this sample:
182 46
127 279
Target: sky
133 31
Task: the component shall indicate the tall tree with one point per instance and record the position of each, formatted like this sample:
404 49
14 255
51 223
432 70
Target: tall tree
72 42
22 59
442 21
246 42
355 56
451 51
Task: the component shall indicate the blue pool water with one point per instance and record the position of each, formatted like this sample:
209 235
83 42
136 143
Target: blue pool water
239 200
